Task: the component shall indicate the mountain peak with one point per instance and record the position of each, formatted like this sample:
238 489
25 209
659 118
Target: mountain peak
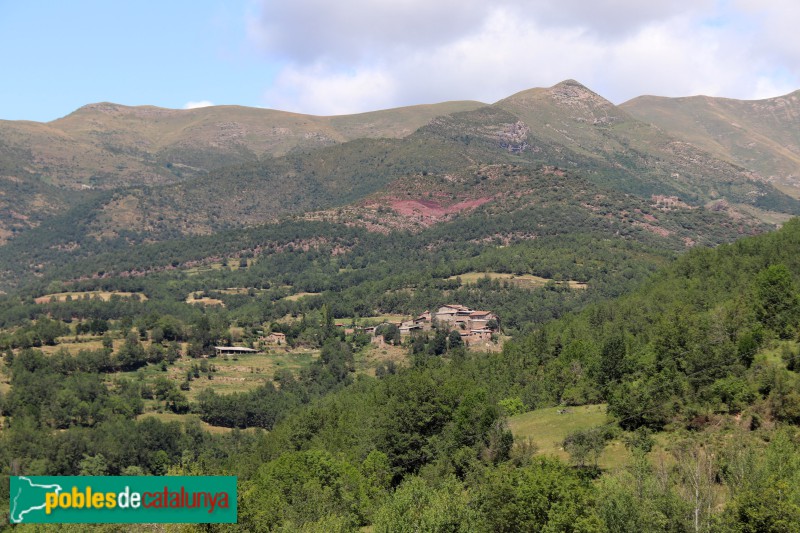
568 98
573 90
569 83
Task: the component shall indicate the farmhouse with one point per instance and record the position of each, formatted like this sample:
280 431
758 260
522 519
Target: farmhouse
406 328
233 350
464 318
275 337
473 325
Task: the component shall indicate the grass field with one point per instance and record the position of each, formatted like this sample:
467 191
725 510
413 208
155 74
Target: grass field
103 295
233 264
371 357
773 353
204 300
372 320
526 281
242 374
239 290
173 417
547 429
297 296
83 342
230 375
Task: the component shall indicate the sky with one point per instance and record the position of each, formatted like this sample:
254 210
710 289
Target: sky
324 57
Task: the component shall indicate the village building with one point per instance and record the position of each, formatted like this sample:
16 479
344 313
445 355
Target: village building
472 325
449 313
409 327
464 318
424 321
275 337
481 334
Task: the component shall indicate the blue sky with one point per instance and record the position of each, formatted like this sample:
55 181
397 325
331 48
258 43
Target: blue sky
58 56
325 57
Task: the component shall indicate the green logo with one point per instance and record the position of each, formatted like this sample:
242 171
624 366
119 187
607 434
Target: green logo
123 500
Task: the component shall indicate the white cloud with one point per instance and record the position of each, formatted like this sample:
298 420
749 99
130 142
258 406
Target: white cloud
195 105
316 90
367 54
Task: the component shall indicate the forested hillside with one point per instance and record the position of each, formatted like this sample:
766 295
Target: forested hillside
198 296
698 368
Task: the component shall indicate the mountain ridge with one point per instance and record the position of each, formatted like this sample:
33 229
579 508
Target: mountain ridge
226 177
759 134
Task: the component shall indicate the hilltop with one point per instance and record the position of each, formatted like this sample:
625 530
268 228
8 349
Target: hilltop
108 145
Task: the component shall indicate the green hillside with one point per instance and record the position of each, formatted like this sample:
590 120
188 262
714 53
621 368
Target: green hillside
698 367
620 151
527 204
109 145
167 174
485 157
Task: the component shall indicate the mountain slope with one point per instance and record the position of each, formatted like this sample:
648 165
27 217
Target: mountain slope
488 156
763 135
453 163
616 149
482 208
109 145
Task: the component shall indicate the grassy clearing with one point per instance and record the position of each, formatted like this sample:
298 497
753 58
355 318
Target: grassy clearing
75 343
547 429
371 357
773 353
372 320
233 264
195 298
527 281
103 295
240 290
242 374
69 344
173 417
295 297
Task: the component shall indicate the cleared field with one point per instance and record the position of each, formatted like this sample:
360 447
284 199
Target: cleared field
371 357
195 298
527 281
372 320
239 290
547 429
244 373
774 353
83 343
173 417
103 295
295 297
233 264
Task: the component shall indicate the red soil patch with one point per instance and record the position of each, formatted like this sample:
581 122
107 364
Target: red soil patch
431 209
653 229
